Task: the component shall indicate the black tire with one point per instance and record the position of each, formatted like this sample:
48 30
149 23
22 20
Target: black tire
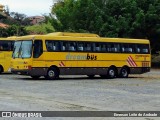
1 69
35 77
124 72
52 74
111 72
91 76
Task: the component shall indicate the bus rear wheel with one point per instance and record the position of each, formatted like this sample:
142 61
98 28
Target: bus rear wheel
111 72
124 72
52 74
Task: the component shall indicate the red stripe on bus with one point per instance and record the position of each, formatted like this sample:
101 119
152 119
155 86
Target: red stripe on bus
133 61
129 62
62 63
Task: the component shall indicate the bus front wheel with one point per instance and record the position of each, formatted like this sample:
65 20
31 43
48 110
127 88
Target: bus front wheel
52 74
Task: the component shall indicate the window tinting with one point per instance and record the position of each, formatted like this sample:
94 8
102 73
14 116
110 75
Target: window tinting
128 48
53 45
103 47
80 46
97 47
71 46
113 47
141 48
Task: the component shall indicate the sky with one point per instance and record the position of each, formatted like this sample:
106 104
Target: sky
29 7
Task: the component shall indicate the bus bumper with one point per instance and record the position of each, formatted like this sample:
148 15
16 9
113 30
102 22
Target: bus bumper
140 70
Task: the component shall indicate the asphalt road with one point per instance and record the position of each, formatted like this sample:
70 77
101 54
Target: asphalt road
79 93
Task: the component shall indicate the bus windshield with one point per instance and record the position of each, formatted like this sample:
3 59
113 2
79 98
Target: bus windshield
22 49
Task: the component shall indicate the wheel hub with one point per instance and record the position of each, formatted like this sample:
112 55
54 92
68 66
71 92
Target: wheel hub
111 73
51 73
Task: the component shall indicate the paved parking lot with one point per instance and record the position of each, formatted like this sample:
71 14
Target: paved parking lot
136 93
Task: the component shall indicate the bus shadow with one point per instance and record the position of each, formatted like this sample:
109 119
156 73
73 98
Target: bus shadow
6 74
76 78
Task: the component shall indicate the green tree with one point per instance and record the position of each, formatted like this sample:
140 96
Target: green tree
13 30
110 18
42 28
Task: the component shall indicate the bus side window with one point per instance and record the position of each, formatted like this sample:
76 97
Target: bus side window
129 50
144 49
71 46
63 46
49 46
54 47
80 46
88 47
109 47
123 49
114 47
104 47
138 50
97 47
38 48
137 47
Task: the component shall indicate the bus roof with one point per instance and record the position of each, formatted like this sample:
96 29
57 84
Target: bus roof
2 38
81 37
73 34
7 38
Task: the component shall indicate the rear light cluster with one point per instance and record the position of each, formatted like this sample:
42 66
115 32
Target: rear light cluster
29 67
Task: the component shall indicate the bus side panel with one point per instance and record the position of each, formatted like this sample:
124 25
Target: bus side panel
5 60
2 62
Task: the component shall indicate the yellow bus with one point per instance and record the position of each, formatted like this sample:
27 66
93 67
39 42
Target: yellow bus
80 54
6 47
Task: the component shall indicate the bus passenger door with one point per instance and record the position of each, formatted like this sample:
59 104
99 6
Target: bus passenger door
37 52
38 49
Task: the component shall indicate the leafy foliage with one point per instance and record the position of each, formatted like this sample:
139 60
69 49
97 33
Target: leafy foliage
110 18
13 30
43 28
16 22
